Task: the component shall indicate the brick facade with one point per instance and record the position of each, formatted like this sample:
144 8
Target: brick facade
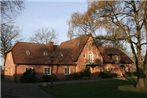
89 53
9 70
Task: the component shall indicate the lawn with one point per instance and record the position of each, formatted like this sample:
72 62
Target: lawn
98 89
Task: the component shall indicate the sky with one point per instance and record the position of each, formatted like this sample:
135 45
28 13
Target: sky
51 14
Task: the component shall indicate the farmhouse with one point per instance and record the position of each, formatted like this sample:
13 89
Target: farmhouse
71 56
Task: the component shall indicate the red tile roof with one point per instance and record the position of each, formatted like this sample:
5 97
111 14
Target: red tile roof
67 53
107 53
75 46
32 53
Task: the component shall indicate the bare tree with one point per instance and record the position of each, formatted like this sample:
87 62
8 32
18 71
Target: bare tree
43 36
144 7
87 23
9 36
9 32
81 24
127 18
10 9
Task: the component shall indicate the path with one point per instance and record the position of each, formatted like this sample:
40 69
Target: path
18 90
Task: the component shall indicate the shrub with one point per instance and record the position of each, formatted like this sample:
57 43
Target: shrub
54 77
143 75
48 78
128 74
107 74
76 76
134 73
86 73
29 76
2 76
68 77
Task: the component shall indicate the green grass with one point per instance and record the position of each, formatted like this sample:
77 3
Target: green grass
98 89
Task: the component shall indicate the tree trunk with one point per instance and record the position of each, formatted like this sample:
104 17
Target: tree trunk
140 83
140 74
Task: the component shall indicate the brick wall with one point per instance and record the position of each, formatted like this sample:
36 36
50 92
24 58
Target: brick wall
90 47
58 70
9 69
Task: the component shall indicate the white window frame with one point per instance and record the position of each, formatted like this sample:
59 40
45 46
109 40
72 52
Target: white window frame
28 52
45 53
49 71
68 70
117 58
90 57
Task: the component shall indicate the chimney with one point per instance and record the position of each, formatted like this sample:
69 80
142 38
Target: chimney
51 45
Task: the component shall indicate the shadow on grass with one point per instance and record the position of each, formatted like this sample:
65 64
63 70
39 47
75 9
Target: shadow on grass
99 89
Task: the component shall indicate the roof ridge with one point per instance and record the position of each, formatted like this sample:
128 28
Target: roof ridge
88 35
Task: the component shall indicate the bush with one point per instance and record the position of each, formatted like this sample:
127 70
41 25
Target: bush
143 75
134 73
2 76
128 74
48 78
54 77
29 76
107 74
69 77
76 76
86 73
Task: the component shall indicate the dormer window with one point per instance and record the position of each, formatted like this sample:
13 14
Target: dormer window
45 53
61 54
116 58
78 44
28 52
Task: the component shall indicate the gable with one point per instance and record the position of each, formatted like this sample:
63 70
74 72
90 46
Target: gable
90 48
75 46
108 52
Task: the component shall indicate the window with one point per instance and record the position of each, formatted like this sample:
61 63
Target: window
90 57
28 69
66 71
45 53
116 58
47 70
61 54
28 52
